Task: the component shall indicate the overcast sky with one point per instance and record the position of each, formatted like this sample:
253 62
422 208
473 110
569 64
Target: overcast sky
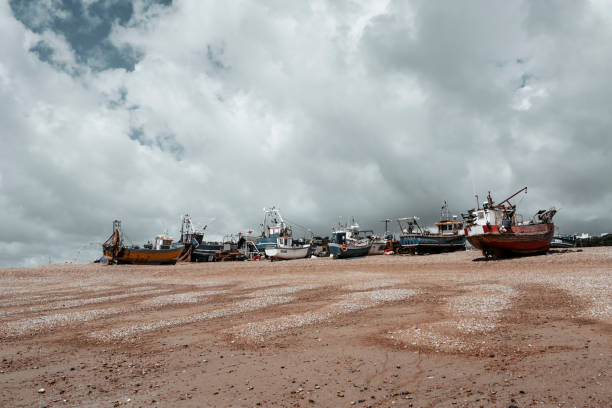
374 109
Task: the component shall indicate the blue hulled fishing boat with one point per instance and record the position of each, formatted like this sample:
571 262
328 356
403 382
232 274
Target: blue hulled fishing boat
563 241
272 228
345 242
415 240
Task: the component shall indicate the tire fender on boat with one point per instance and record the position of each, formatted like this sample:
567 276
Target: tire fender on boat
344 247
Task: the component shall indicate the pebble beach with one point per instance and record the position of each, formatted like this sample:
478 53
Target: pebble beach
408 331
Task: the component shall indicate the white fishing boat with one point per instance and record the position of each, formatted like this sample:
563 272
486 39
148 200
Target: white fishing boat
378 245
285 249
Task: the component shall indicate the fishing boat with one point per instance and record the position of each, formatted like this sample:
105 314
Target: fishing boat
497 230
190 239
273 227
416 240
563 241
286 248
345 242
209 251
379 244
161 252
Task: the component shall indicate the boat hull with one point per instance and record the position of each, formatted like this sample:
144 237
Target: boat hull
518 240
287 253
206 252
378 248
432 243
266 242
144 256
562 242
350 252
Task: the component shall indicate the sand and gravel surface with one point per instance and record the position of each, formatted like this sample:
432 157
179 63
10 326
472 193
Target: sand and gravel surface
408 331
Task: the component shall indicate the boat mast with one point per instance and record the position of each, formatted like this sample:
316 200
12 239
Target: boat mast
186 229
117 233
444 215
275 216
386 221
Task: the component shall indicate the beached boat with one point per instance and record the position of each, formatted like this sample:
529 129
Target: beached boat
497 230
416 240
286 249
208 251
159 253
273 226
345 242
563 241
190 239
379 245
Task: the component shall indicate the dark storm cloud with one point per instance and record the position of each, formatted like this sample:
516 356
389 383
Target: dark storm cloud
86 26
145 110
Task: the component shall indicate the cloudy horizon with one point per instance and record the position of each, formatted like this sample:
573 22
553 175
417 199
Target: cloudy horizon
146 110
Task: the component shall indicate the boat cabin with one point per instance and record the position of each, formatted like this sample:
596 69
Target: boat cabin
273 224
274 231
284 241
449 227
494 216
162 242
338 237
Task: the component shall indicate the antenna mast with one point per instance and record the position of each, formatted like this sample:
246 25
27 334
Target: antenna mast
386 221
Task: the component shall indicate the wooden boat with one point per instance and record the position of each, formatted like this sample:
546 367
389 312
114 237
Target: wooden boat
163 252
415 240
286 249
497 230
345 242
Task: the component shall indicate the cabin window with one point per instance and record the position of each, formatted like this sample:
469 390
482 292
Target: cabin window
338 238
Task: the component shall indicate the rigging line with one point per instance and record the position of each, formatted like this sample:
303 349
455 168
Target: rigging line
297 225
523 196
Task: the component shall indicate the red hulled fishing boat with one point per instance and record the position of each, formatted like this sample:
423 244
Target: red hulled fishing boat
497 230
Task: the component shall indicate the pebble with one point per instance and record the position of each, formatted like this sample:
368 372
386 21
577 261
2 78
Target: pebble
41 390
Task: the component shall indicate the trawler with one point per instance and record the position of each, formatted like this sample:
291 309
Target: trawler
287 248
416 240
345 242
272 227
162 251
497 230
